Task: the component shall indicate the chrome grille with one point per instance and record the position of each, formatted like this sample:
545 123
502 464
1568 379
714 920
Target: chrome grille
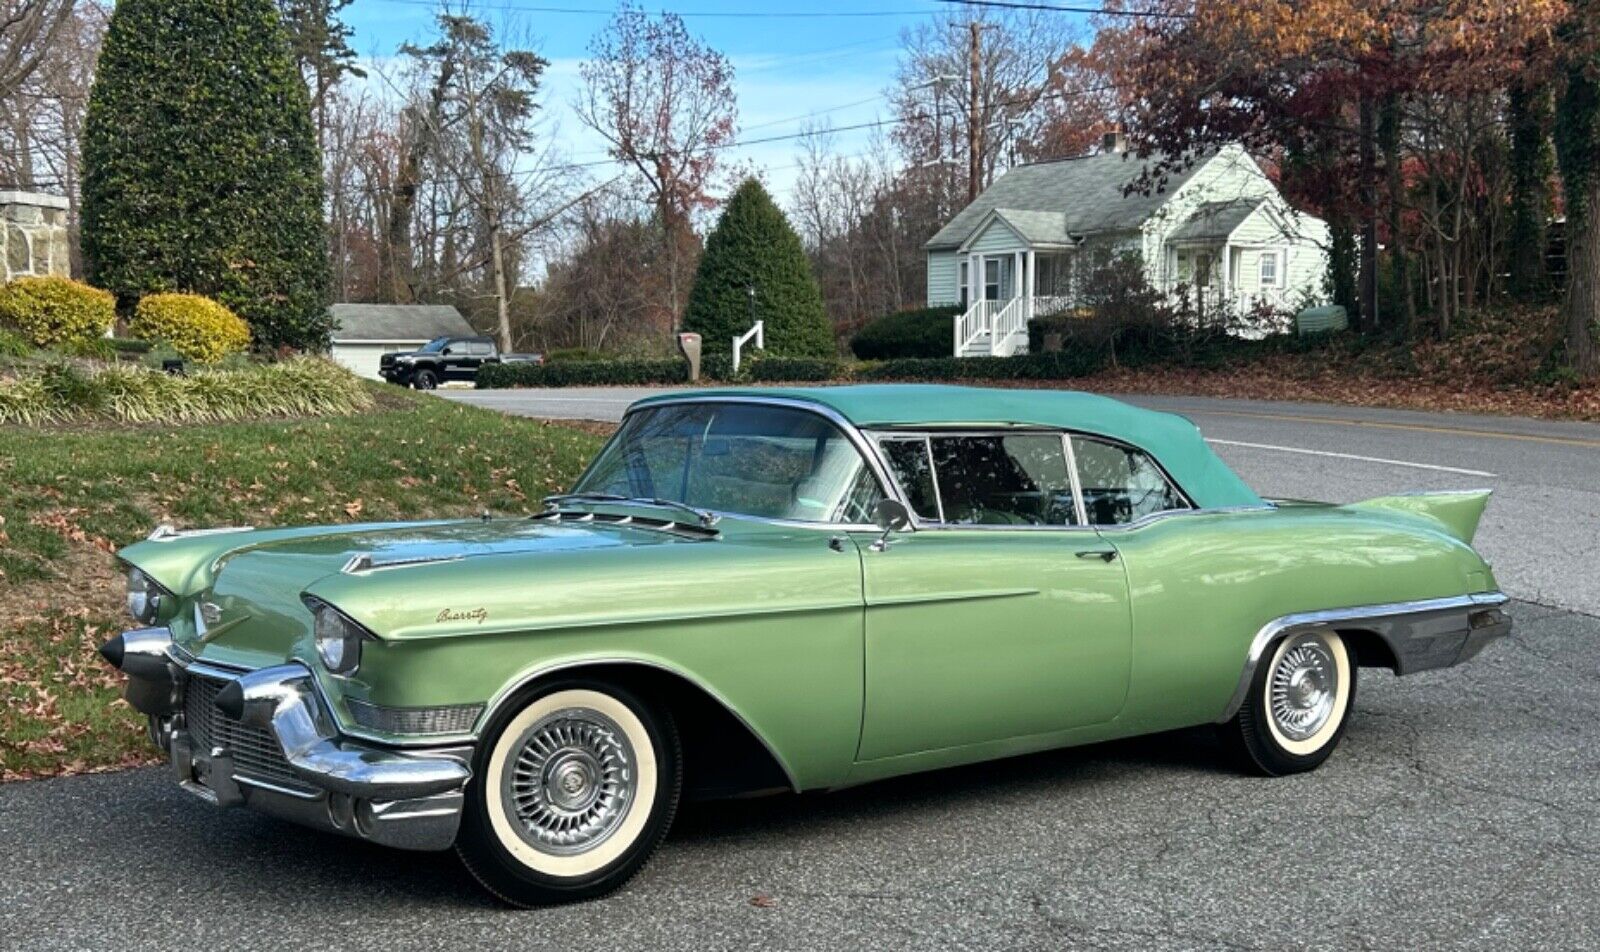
457 719
255 751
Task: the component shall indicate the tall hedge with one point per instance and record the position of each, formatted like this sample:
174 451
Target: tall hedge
754 245
201 167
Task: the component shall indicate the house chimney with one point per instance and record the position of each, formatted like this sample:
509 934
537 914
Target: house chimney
1114 142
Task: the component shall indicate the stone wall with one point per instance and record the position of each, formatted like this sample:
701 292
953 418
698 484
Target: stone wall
33 235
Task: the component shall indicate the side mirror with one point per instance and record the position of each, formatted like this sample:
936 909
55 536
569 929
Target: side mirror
447 352
891 517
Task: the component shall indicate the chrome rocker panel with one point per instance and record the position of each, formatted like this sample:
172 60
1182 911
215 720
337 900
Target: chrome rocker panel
407 800
1422 635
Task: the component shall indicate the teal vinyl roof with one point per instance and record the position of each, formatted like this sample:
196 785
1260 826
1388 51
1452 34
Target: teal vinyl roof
1173 440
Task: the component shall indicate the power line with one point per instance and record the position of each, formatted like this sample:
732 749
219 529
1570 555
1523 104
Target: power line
687 14
1030 101
1057 8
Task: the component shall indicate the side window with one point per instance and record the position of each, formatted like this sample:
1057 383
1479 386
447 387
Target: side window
1004 480
480 348
909 465
1121 484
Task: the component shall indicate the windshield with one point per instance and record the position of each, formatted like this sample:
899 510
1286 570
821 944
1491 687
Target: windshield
765 461
435 345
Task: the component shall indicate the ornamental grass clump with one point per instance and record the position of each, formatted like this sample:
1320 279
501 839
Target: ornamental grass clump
129 393
197 328
52 311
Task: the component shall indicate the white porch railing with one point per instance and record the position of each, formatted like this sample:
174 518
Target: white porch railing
975 322
1009 332
1000 328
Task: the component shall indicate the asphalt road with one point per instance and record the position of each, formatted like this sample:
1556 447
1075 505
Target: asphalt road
1461 810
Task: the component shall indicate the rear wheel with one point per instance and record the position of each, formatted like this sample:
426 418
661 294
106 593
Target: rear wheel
572 792
1297 707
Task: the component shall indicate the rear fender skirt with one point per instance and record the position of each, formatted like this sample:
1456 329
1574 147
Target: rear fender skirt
1423 635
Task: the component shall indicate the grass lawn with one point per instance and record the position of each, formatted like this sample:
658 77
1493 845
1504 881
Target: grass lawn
70 497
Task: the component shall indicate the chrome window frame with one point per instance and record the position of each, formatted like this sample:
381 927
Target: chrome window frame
886 484
927 433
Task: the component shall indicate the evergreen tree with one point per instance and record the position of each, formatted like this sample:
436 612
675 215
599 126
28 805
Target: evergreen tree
201 169
753 246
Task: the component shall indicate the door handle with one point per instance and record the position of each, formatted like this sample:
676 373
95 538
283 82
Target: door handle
1104 555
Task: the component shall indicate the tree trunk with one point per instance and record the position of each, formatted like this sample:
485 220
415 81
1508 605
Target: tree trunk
1368 179
1399 261
1577 145
502 295
1530 200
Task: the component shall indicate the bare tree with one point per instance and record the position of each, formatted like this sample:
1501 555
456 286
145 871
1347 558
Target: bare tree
479 110
27 30
664 103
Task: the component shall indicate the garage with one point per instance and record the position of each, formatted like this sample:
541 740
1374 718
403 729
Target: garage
363 333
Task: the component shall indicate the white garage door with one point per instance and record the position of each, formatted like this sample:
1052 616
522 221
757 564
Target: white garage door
362 358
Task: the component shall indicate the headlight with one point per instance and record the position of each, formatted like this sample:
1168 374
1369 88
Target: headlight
146 599
338 639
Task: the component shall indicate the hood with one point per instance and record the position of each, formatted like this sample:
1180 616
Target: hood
240 593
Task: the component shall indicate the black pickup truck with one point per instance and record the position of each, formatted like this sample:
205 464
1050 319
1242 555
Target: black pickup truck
444 359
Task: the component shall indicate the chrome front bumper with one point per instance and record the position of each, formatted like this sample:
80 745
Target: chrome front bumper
265 739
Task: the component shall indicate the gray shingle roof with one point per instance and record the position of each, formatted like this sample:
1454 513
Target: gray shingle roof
421 322
1086 193
1216 220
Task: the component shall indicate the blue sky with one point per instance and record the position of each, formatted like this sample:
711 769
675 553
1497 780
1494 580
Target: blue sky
836 59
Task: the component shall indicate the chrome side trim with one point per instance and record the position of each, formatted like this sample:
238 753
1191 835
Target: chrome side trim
1424 635
497 703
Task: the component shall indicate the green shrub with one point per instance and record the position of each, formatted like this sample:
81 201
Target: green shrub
568 355
128 393
924 332
197 328
1065 365
753 246
794 369
583 373
51 310
201 167
129 345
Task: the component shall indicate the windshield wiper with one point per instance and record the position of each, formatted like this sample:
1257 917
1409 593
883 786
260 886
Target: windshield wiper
704 517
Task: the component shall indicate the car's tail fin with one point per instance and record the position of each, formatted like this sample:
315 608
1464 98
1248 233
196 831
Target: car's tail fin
1457 511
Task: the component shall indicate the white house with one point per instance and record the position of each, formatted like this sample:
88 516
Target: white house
1219 228
362 333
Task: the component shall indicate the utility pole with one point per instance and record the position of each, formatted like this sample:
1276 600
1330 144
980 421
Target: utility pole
974 121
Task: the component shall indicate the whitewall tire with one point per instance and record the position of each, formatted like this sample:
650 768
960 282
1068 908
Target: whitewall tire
1298 705
573 790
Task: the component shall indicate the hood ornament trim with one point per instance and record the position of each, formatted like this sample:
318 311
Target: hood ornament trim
366 562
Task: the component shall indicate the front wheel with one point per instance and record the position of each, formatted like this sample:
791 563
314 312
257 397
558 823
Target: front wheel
571 794
1297 707
425 380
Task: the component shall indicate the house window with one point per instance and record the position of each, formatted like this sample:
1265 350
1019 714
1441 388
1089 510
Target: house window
964 284
1269 269
991 279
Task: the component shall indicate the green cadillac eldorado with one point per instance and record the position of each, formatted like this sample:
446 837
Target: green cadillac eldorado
753 590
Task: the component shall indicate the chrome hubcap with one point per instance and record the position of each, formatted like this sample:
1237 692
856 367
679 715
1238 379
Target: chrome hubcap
572 781
1302 688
